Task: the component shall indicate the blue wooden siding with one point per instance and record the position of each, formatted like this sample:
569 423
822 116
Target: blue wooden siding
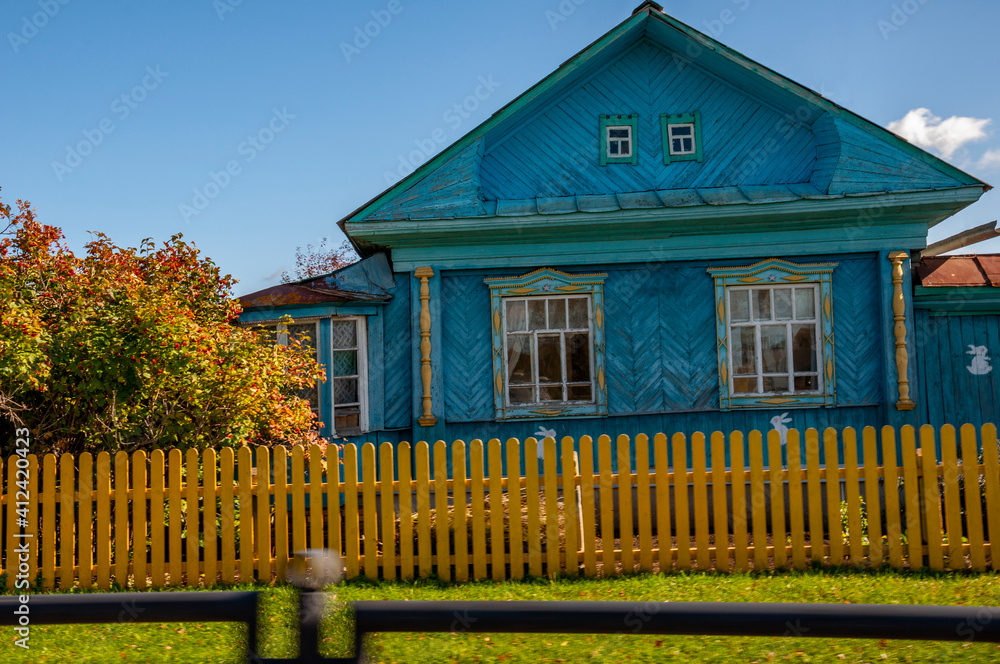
468 348
860 364
948 393
396 368
556 153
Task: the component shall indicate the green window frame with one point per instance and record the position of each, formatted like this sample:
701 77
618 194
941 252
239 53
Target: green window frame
682 137
611 145
774 329
561 317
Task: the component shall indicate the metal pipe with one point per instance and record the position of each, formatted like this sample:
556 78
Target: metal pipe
964 239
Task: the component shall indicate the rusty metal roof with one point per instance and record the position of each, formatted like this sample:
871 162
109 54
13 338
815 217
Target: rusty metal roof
963 270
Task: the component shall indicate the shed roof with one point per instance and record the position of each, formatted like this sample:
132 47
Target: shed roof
963 270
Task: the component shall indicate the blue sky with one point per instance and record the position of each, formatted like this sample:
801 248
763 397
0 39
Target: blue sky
249 127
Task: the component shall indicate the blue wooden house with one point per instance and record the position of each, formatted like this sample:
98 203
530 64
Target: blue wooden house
662 235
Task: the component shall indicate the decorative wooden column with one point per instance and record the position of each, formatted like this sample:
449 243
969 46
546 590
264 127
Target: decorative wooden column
899 316
427 419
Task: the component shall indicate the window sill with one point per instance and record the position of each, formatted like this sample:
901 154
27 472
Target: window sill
780 401
555 410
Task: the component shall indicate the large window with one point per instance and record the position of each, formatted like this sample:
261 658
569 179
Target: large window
548 348
348 373
775 334
548 344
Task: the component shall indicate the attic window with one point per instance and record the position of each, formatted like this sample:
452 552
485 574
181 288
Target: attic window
681 137
618 137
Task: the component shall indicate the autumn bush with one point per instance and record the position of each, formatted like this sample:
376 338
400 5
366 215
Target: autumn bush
135 348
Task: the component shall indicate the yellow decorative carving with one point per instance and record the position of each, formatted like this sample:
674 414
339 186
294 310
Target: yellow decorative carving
899 316
498 384
724 372
496 320
826 305
778 402
569 289
575 277
600 378
599 317
720 312
829 367
750 280
424 274
549 412
521 291
796 278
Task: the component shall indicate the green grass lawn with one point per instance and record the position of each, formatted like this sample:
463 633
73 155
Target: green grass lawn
215 643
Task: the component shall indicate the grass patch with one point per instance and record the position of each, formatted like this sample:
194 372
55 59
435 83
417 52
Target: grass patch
216 643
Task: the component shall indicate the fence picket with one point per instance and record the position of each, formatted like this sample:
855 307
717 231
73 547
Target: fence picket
192 571
86 536
738 471
643 511
814 492
571 509
369 509
461 502
911 493
797 529
701 527
174 507
952 506
263 492
316 507
873 502
227 505
279 459
606 489
831 472
757 501
893 514
552 562
991 466
245 492
157 520
663 535
405 512
683 515
932 499
497 544
776 477
47 550
122 547
352 542
139 524
423 510
852 489
720 503
210 511
441 530
298 521
334 536
973 500
515 503
388 530
531 500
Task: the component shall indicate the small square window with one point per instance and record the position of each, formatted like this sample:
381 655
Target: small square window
618 138
681 137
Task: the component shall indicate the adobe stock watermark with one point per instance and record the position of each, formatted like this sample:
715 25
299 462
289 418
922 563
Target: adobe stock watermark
562 12
900 16
23 550
364 34
455 117
122 107
223 7
249 149
31 25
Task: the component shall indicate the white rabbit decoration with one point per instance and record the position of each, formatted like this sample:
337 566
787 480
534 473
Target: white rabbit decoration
980 363
541 435
779 422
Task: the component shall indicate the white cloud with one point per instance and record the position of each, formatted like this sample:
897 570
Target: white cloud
991 159
923 128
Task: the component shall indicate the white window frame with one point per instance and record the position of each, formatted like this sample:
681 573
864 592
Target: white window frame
692 137
816 321
618 141
536 385
361 323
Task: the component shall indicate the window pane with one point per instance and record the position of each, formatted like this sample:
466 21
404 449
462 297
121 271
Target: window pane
578 314
557 314
774 348
744 350
536 314
348 417
580 393
519 365
345 363
804 348
613 147
551 393
344 334
783 304
775 383
805 303
761 304
578 357
626 148
620 133
522 395
345 390
549 360
739 306
806 384
516 317
744 385
678 147
681 130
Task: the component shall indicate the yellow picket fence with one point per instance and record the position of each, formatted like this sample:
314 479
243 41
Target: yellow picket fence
678 504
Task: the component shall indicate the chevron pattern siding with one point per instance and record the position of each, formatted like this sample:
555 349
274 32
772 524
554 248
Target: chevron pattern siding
857 330
398 388
687 333
738 134
467 349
